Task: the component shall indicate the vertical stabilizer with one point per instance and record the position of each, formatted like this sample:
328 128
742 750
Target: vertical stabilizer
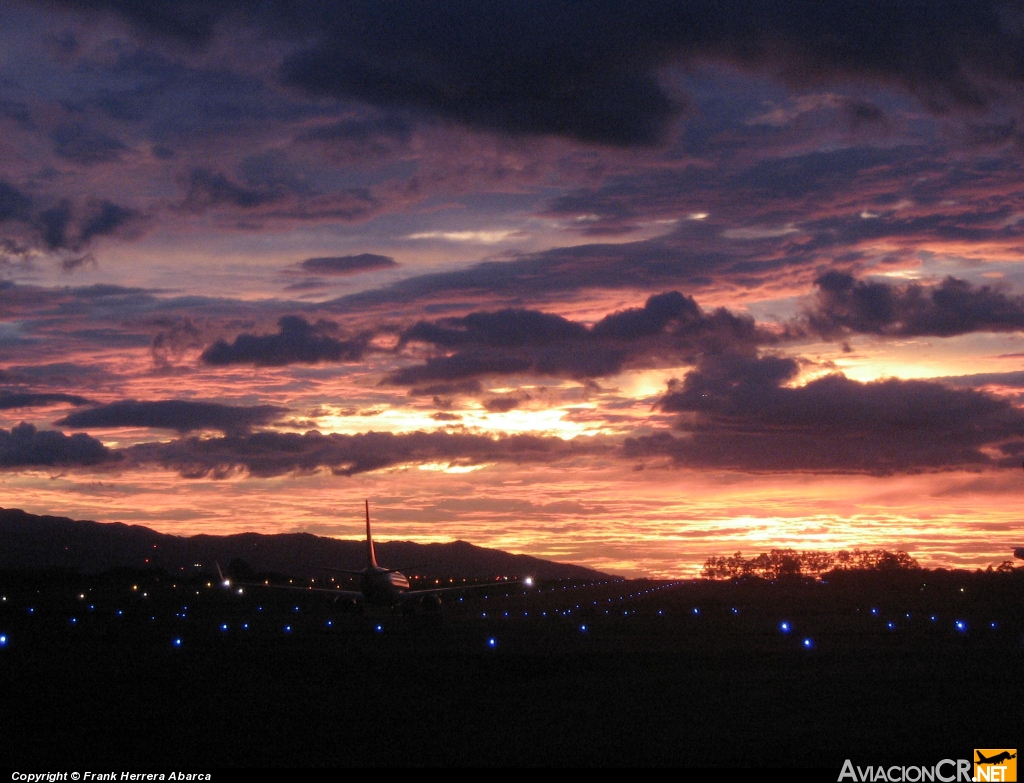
371 558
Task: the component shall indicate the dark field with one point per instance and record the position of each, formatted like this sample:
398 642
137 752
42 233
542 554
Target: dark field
593 674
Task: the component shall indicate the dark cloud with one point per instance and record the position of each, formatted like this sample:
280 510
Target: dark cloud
63 225
443 416
175 338
592 72
103 219
179 415
17 111
10 399
503 404
435 390
13 203
274 454
669 326
53 225
347 265
78 262
25 446
208 188
86 146
846 306
376 135
737 414
679 259
298 342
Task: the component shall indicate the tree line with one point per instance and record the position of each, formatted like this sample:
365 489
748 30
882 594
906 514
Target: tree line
789 562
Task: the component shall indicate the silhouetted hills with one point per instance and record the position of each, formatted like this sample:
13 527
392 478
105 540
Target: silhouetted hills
28 541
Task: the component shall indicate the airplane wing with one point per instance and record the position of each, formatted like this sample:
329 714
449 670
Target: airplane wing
527 582
226 582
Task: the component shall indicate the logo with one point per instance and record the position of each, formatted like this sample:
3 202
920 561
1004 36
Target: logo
995 764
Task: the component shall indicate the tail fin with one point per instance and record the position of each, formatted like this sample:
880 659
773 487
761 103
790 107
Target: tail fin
371 558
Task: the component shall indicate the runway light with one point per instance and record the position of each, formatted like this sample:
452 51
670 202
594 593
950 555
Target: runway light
874 611
696 610
379 628
177 642
891 625
961 626
933 618
528 581
735 610
3 640
993 625
785 627
583 628
287 629
808 644
224 626
492 642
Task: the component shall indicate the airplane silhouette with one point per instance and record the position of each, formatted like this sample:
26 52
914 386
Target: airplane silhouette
996 759
385 587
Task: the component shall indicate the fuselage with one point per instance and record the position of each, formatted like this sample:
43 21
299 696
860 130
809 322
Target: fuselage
381 587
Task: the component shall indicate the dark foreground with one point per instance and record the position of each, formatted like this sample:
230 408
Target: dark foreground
697 674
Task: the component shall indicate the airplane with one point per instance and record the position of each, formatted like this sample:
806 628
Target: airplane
996 759
383 587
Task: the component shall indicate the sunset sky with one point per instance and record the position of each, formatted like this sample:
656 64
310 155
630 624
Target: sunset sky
622 284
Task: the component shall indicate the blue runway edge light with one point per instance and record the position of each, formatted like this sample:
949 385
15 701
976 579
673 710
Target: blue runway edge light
785 627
